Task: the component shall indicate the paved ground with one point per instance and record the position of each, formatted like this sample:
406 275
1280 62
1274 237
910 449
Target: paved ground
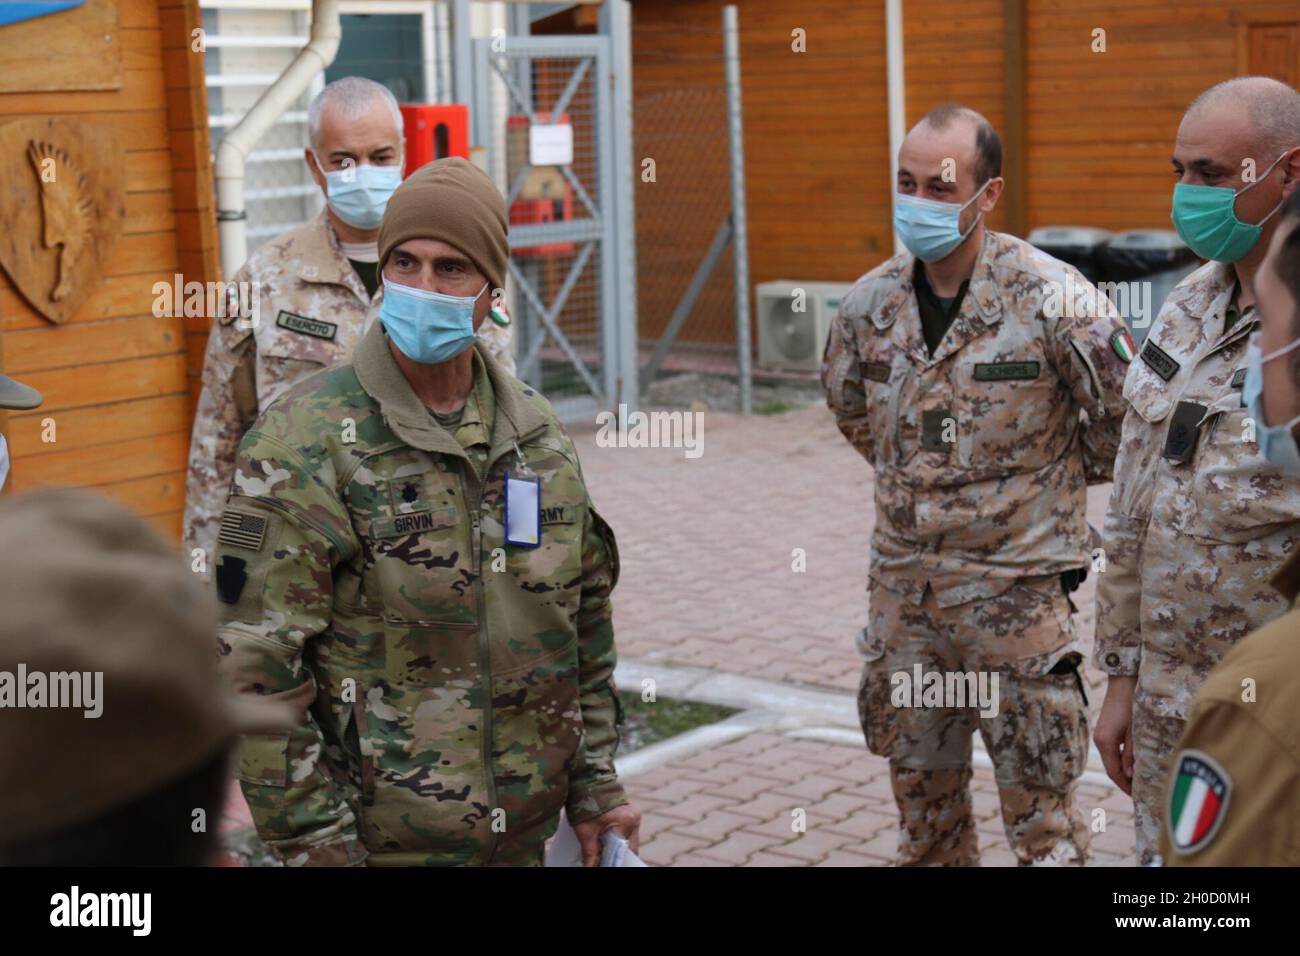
738 804
707 547
708 590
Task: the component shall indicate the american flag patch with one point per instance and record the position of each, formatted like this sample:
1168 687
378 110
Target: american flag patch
241 530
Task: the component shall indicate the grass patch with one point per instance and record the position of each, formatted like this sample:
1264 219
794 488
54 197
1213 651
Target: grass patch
775 407
646 723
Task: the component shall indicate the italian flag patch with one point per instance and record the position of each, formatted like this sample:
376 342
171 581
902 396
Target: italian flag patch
1198 801
1123 345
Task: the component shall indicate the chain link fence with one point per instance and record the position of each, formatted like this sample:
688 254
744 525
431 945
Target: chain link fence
693 328
556 284
682 202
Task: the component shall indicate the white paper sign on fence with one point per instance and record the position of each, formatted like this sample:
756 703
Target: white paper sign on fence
550 144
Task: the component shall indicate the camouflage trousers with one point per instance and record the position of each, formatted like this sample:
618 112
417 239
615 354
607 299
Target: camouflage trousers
1155 740
1034 726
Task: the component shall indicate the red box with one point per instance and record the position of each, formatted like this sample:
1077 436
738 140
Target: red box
533 211
434 131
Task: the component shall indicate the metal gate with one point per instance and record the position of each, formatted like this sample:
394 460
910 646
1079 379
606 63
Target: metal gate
560 190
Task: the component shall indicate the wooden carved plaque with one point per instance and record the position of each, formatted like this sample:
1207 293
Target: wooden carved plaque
62 204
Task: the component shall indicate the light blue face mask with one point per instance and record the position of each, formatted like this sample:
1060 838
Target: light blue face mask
359 194
930 229
1276 443
428 327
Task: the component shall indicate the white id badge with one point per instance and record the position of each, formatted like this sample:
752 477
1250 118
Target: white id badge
523 511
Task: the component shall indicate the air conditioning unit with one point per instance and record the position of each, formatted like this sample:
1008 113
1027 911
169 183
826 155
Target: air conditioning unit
794 319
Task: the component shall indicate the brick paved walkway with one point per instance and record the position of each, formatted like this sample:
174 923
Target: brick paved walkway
707 546
736 805
707 582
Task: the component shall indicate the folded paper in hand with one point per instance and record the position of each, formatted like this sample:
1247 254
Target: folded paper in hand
566 851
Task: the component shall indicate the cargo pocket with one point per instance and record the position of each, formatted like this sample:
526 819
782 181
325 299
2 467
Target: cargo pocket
1045 731
875 713
284 359
881 384
1252 498
1026 628
1008 414
551 573
538 732
264 759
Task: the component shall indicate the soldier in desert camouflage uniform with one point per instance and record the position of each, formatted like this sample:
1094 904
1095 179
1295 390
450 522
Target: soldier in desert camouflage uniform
986 400
1198 520
313 292
1234 790
456 681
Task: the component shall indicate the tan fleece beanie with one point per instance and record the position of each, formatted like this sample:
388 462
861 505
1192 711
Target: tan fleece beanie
454 201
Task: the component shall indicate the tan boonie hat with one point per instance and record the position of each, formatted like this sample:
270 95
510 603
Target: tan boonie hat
103 618
17 395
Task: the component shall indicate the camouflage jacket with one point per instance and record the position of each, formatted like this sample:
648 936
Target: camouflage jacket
1190 540
1253 742
308 310
458 689
982 452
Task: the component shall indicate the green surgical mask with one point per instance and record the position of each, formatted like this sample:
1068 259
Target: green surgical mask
1206 219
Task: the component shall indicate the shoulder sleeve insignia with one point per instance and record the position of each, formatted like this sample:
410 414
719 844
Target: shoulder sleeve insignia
242 530
231 578
1198 801
1122 343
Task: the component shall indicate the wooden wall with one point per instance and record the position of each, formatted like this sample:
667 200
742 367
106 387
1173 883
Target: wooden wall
952 51
1098 127
1102 126
814 145
114 376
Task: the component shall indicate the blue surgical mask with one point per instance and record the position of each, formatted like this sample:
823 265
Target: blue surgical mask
930 228
428 327
359 194
1276 442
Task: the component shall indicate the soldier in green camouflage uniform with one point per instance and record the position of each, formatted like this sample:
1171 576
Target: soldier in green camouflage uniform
456 688
984 415
299 304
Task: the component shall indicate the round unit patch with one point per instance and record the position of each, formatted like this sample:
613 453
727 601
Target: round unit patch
1198 801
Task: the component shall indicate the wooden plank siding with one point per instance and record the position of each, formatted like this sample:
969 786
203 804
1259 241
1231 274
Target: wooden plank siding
814 134
1099 127
117 380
